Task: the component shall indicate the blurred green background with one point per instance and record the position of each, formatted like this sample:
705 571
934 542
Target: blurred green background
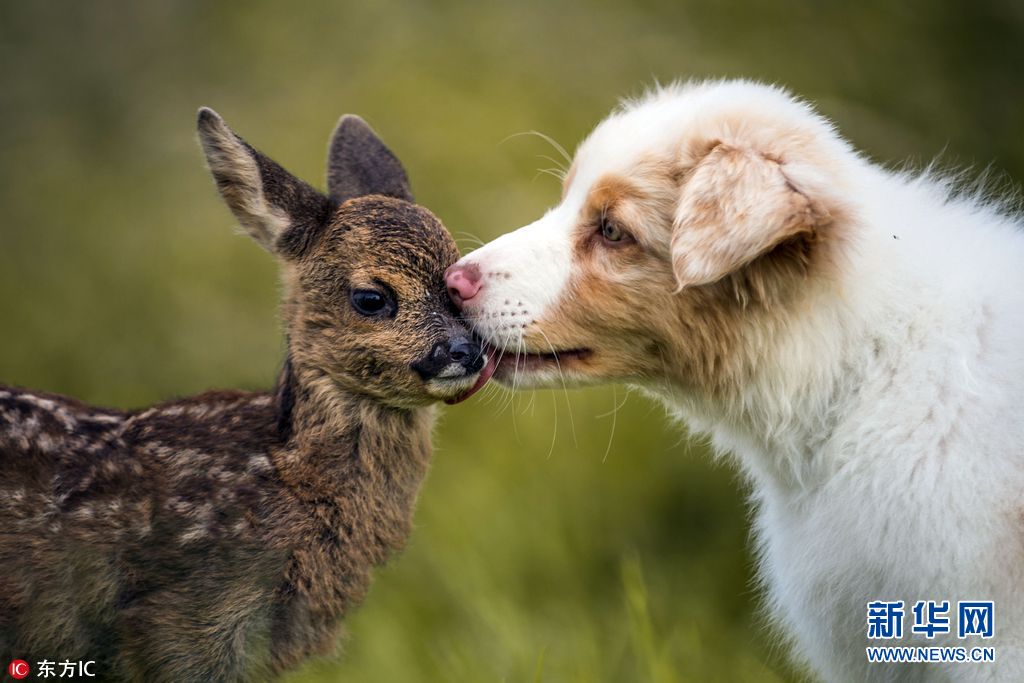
561 536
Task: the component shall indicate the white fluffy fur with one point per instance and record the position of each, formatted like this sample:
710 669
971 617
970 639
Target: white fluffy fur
883 432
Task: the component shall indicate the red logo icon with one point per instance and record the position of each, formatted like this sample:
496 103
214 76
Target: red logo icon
18 669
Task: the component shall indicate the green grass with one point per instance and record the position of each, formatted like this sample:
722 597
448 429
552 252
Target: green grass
551 545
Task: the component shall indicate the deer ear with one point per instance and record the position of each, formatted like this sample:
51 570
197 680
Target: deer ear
267 200
736 205
359 163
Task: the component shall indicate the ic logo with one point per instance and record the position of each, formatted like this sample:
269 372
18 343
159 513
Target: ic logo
18 669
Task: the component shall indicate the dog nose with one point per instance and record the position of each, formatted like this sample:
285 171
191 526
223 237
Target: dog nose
466 353
463 282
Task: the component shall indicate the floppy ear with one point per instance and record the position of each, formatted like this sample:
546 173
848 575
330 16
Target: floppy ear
266 199
359 163
736 205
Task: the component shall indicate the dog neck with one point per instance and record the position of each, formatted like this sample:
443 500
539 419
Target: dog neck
807 370
779 414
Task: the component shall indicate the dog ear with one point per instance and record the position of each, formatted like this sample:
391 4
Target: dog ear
267 200
359 163
736 205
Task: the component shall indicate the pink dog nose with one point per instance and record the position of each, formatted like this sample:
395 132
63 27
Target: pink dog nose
463 282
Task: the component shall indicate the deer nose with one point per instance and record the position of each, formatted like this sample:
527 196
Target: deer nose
463 282
460 350
466 353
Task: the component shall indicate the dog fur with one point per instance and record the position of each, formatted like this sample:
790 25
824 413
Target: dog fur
851 336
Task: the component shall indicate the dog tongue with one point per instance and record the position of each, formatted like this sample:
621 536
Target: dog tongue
489 367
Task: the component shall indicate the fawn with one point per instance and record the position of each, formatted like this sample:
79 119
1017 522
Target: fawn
222 537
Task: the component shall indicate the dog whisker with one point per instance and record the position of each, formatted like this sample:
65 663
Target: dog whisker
553 172
473 239
565 389
558 165
546 138
614 413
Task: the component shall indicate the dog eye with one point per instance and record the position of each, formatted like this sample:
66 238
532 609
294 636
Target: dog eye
369 302
610 231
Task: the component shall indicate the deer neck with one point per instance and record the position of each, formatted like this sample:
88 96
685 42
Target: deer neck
350 450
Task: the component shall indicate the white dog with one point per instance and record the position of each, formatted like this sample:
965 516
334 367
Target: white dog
852 337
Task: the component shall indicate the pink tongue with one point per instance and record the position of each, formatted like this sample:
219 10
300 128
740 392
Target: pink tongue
489 367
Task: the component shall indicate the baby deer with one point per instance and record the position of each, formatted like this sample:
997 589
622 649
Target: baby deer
222 537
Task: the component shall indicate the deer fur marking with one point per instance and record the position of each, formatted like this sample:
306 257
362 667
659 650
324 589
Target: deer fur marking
222 537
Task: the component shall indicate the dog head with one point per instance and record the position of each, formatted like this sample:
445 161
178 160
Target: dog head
684 217
365 308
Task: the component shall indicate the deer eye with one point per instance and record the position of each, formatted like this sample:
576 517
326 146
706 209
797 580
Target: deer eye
369 302
610 231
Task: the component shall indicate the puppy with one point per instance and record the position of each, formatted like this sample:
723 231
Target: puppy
852 337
